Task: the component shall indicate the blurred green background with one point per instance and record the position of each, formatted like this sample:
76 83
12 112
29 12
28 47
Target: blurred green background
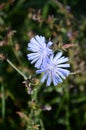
63 20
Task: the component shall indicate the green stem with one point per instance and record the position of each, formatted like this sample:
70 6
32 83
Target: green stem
3 102
67 108
42 125
16 69
11 43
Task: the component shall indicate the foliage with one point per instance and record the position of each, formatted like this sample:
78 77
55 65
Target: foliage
45 108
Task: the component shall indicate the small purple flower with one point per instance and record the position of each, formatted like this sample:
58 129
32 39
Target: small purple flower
40 51
54 69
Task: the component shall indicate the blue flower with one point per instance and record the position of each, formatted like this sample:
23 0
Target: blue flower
40 51
54 70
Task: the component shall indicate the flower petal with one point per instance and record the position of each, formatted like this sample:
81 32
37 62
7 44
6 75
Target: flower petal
49 44
63 65
38 63
65 72
44 77
58 55
62 60
32 56
40 51
49 80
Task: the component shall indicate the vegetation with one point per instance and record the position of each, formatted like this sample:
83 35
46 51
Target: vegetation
25 103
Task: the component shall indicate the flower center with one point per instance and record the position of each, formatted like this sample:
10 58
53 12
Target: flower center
51 67
43 51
